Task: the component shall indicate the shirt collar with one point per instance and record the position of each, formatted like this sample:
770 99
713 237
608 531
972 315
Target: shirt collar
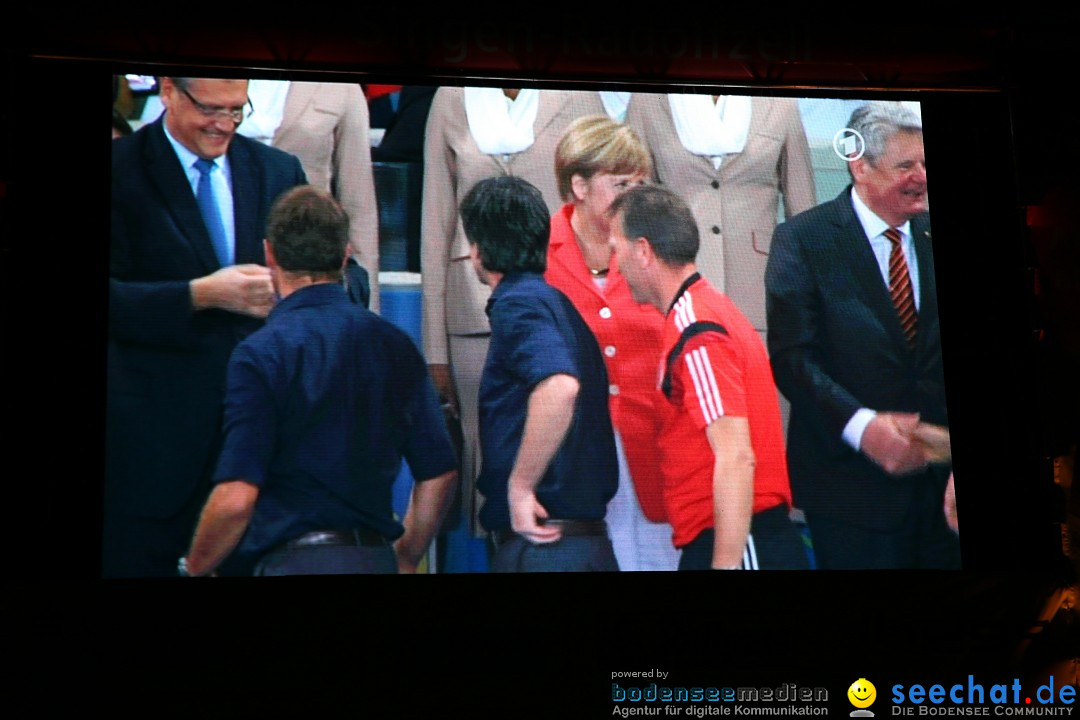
682 290
188 158
557 240
873 225
322 293
508 283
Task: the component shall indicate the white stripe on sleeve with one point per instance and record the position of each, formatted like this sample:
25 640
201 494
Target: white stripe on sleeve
706 408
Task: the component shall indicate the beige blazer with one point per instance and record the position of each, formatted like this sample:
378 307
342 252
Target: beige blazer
736 206
454 299
326 126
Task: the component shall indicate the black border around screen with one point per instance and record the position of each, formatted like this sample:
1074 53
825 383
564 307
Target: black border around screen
493 642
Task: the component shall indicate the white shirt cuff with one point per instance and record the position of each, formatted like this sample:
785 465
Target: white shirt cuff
855 427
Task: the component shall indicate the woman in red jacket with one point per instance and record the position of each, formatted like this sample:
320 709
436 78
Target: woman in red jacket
596 160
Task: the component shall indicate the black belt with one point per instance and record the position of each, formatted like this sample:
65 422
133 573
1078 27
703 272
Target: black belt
569 528
363 537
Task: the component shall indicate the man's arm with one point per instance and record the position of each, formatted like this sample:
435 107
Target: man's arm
550 413
249 428
427 506
160 312
795 351
795 336
733 489
154 297
242 289
430 454
223 521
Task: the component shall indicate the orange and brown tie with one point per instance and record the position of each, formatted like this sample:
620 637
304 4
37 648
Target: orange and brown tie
903 296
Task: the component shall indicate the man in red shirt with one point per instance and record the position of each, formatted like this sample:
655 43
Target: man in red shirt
721 441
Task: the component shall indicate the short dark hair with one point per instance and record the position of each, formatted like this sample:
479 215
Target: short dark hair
508 221
308 232
661 217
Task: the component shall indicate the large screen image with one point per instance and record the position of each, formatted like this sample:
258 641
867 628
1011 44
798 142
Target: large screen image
467 329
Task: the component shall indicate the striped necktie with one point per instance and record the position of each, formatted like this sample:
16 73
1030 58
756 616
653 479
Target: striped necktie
903 296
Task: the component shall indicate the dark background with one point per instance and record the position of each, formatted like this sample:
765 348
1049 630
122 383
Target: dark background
1002 147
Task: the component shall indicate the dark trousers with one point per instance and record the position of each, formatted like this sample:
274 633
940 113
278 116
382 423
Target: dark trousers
923 540
577 553
329 560
774 544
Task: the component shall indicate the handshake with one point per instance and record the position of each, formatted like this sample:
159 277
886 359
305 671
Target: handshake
901 444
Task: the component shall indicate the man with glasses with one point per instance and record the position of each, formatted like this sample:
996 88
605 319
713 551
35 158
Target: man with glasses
187 282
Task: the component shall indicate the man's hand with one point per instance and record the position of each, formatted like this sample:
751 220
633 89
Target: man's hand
242 289
222 524
887 441
550 413
427 506
950 506
935 442
525 512
444 386
405 565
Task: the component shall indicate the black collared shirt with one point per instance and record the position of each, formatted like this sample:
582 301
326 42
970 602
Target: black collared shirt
322 404
535 333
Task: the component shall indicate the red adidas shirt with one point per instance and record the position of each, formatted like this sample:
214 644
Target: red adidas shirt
715 374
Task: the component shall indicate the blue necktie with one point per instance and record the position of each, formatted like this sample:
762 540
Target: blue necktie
211 214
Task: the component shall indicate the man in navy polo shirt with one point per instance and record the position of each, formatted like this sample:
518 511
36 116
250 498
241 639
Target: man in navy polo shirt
548 464
322 404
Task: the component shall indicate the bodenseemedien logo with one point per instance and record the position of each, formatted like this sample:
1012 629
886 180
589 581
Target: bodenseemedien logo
862 694
973 698
698 701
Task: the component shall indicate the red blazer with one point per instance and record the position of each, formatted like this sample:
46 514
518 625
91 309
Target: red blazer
629 337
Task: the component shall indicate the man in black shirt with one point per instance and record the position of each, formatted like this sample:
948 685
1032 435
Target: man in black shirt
322 404
549 466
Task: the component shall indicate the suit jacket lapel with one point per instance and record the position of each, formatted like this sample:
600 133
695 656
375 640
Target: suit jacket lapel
247 178
759 119
924 253
853 243
550 105
170 179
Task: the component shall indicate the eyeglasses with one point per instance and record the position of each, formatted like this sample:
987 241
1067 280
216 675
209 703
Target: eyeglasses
237 114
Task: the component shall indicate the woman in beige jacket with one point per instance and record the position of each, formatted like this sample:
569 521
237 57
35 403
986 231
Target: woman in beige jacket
732 184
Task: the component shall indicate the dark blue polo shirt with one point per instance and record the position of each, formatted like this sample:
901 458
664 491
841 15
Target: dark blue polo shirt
535 333
322 404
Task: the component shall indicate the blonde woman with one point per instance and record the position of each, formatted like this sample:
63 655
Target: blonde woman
595 162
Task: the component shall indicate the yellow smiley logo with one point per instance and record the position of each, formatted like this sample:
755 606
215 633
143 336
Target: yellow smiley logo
862 693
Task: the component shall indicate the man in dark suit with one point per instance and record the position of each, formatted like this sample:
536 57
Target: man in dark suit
855 346
187 282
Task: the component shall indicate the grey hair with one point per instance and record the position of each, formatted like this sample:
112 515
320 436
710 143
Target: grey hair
879 121
184 83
